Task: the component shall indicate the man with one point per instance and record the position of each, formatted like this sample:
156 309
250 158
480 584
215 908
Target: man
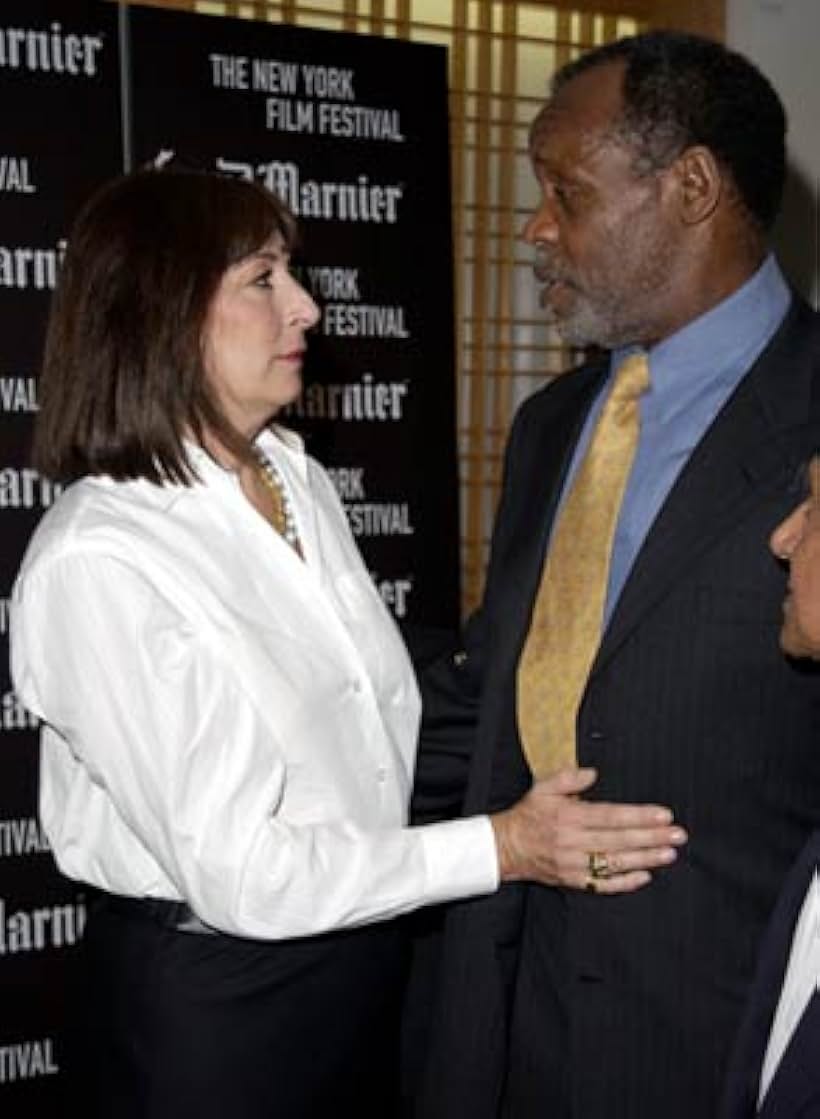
775 1069
660 160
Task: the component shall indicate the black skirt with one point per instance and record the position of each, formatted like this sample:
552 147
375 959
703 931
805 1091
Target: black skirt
189 1025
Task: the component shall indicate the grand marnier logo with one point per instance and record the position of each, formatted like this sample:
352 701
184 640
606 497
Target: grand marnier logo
36 930
50 51
26 489
365 399
354 201
26 266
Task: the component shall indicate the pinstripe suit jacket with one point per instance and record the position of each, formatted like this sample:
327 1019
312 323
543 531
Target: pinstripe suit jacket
691 704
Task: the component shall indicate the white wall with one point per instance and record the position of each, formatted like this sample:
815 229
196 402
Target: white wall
783 38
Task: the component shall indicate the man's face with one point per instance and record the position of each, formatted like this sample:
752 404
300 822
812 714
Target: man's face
797 540
607 245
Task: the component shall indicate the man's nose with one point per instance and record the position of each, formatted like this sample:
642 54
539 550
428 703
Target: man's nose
541 224
785 538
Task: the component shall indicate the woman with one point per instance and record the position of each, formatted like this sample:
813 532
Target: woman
229 714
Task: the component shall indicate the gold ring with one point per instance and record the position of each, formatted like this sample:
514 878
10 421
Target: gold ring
591 886
597 864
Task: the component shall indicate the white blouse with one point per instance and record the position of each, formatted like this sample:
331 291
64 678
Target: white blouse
223 722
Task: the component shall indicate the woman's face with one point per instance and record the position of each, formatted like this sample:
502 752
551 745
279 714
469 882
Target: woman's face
254 337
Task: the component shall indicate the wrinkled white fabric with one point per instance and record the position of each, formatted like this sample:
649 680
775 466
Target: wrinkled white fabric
222 722
801 980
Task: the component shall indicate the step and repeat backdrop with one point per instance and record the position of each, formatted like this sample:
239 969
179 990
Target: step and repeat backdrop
352 132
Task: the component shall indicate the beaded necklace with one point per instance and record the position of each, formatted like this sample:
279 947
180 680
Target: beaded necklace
281 516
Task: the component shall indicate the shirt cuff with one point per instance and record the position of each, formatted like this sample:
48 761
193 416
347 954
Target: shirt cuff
461 858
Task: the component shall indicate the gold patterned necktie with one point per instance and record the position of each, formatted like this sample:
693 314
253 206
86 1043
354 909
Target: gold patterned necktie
567 618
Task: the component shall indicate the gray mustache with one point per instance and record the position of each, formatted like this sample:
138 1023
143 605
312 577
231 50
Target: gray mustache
545 272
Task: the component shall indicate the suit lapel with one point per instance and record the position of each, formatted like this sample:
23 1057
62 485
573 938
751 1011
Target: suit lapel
743 1075
794 1089
760 439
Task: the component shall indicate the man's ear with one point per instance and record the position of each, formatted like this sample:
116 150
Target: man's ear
699 183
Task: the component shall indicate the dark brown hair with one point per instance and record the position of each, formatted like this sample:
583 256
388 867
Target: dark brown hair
123 378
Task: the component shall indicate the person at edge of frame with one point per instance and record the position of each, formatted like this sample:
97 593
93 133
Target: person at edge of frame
775 1068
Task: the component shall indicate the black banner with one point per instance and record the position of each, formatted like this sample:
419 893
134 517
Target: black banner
352 132
59 84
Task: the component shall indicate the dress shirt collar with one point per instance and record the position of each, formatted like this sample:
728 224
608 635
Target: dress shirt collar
274 440
715 348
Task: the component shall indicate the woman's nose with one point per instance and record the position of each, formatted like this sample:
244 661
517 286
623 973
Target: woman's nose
303 307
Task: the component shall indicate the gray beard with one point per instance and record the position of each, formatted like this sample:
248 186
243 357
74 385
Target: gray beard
605 328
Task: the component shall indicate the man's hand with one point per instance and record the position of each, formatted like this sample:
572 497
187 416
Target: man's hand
551 837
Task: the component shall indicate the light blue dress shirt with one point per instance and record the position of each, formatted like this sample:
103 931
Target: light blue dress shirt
692 373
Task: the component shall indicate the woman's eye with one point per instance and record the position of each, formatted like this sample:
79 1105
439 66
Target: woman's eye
264 280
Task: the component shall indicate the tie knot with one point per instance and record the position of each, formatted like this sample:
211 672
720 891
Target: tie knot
631 377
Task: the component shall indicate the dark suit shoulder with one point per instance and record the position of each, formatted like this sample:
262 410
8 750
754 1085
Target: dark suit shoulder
785 383
562 391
